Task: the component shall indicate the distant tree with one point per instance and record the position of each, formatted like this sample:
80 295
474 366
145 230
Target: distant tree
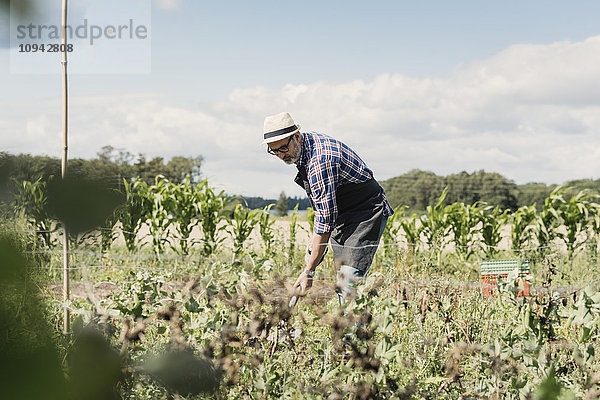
282 205
148 170
576 186
175 170
110 165
420 189
260 203
529 194
302 202
179 167
25 167
533 193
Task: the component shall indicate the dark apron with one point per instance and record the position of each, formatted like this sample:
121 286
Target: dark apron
357 230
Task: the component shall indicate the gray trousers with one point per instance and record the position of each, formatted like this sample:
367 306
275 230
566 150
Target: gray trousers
355 270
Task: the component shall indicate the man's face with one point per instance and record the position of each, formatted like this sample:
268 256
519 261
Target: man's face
287 149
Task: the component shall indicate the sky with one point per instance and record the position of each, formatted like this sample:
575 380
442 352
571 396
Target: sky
511 87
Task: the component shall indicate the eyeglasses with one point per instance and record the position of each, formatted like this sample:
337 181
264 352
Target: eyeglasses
281 149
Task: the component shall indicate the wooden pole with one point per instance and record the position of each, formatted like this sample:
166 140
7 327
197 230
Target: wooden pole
66 288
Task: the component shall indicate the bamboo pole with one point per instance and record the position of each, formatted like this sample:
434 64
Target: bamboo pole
66 288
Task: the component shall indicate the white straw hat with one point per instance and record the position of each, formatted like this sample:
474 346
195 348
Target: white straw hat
279 127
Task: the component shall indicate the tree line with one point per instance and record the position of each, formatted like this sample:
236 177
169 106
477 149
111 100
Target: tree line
415 189
284 202
418 189
111 166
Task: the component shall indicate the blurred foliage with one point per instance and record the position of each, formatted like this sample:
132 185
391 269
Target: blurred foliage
96 368
29 365
182 372
22 7
81 204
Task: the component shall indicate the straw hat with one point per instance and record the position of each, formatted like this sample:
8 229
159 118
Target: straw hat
279 127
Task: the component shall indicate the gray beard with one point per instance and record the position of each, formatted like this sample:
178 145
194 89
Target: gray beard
295 158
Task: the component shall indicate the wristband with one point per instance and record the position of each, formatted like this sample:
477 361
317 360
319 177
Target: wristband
309 273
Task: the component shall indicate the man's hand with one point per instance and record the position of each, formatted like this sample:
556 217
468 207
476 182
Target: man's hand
314 255
304 282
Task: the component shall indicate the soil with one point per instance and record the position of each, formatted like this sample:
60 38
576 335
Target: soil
321 292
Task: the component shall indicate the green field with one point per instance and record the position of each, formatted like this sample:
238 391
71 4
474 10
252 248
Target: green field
154 317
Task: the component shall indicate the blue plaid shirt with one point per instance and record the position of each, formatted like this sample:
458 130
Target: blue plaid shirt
330 163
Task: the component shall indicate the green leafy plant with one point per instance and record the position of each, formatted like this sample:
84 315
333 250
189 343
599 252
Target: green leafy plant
412 228
574 215
435 226
585 313
293 231
492 221
462 220
310 217
184 210
31 200
134 211
108 233
159 219
548 221
390 233
265 224
241 225
211 206
593 230
522 227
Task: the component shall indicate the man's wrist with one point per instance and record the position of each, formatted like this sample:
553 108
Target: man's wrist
309 272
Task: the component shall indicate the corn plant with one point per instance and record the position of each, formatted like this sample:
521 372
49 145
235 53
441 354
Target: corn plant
241 225
265 224
390 233
108 233
522 227
593 230
412 228
310 217
183 206
492 221
462 220
573 214
548 221
211 207
435 226
31 200
293 232
132 214
159 219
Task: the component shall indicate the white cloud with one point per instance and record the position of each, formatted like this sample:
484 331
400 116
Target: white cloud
169 4
531 113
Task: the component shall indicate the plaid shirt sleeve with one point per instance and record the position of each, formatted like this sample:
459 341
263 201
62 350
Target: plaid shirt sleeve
323 178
